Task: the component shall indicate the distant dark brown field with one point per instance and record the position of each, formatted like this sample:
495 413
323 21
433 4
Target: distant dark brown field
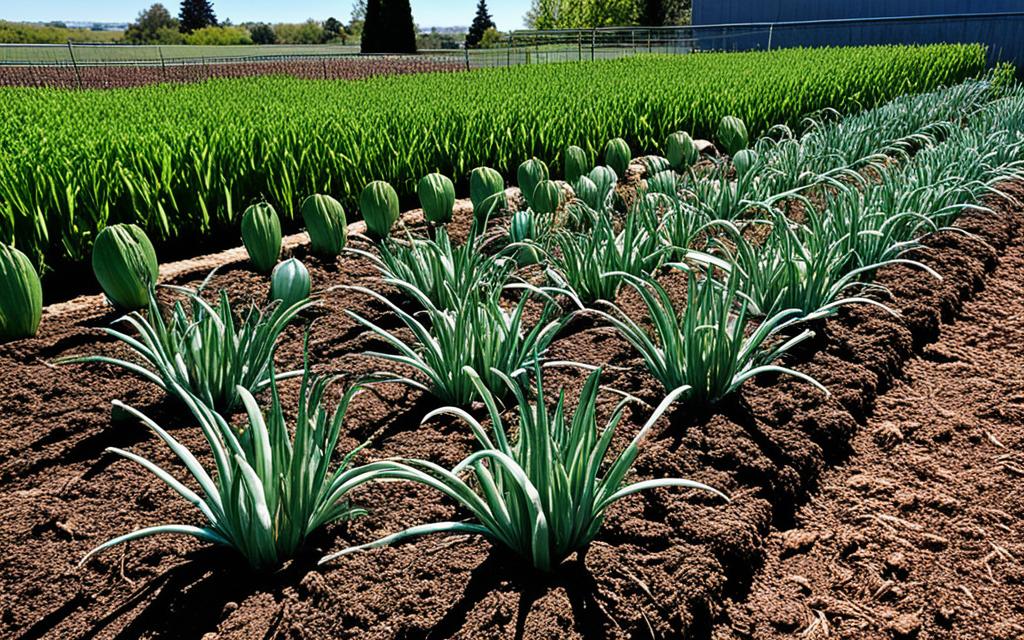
113 76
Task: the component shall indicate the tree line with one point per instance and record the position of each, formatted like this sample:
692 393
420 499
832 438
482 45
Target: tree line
53 32
380 26
196 23
587 14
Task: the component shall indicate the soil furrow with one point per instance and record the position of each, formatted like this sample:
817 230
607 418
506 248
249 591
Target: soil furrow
662 567
918 534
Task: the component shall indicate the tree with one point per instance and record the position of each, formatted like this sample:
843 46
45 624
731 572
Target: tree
208 36
308 32
548 14
358 11
389 27
678 12
373 27
196 14
333 30
357 19
402 31
438 40
652 13
481 23
491 39
663 13
153 26
263 33
586 14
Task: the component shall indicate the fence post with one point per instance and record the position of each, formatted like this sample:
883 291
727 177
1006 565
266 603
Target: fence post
649 50
466 49
593 44
771 31
508 51
74 63
163 64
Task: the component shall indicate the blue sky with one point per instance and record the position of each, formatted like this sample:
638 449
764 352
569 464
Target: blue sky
508 14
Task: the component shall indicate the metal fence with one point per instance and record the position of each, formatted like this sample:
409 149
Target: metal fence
1003 32
89 65
525 47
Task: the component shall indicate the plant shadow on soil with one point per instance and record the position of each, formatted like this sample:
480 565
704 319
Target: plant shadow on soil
190 598
776 440
503 569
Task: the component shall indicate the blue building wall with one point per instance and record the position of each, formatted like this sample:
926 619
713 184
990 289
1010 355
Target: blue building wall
751 19
734 11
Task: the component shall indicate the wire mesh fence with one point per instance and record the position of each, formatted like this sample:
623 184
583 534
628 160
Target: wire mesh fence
117 65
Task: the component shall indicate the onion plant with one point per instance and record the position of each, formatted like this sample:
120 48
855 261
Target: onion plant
531 231
681 223
720 198
906 121
543 495
207 352
444 272
710 346
525 235
589 264
478 333
833 148
869 224
811 267
268 489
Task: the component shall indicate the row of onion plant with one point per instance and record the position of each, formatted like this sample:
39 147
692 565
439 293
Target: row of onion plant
543 489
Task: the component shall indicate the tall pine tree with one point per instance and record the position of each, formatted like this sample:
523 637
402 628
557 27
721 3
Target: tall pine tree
389 27
652 13
481 22
196 14
373 27
402 28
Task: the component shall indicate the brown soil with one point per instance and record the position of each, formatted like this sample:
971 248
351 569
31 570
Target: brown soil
663 566
110 76
920 533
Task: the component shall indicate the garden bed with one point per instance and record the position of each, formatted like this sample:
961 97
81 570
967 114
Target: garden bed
663 565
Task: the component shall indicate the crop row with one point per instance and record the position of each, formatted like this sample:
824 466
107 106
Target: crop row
110 76
183 161
542 490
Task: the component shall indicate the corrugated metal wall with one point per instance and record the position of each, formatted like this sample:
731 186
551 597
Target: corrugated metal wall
733 11
1003 34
